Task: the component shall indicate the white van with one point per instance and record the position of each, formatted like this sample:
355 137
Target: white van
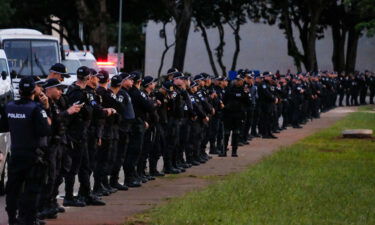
72 63
29 53
87 59
6 95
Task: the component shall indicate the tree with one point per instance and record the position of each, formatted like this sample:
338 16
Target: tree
305 16
181 12
6 11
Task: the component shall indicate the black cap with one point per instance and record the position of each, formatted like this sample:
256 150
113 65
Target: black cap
166 85
103 76
239 77
136 76
193 84
171 71
38 81
178 75
198 77
50 83
83 72
27 85
220 78
266 73
93 72
125 76
147 80
60 69
116 80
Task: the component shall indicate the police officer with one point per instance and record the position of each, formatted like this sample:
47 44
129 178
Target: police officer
105 155
149 150
266 102
29 127
175 114
235 102
141 107
78 139
124 131
163 95
58 71
56 146
196 124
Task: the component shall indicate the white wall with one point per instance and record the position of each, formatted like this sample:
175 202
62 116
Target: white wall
263 47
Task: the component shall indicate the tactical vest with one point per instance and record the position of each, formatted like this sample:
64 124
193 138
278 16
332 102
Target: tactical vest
22 130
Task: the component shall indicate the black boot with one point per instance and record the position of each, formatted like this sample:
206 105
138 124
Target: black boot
234 152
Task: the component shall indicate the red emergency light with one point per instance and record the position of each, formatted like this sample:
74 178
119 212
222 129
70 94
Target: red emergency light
105 63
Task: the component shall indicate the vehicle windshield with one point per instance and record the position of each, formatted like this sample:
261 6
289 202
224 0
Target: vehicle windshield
71 65
31 57
3 66
89 63
110 70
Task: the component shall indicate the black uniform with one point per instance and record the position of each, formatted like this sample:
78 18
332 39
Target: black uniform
266 101
28 126
235 101
141 107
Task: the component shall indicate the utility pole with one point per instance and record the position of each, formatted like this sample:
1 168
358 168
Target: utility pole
119 36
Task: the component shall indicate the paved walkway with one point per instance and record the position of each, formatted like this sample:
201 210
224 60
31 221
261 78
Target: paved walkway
124 204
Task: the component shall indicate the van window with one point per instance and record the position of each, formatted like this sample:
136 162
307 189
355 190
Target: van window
31 57
3 66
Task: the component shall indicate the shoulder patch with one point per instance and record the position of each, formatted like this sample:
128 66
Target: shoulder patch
43 112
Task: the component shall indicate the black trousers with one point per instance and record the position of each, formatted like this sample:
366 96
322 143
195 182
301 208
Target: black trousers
172 141
185 130
256 121
134 150
55 160
147 150
78 155
120 148
372 94
265 119
232 125
194 141
25 181
217 133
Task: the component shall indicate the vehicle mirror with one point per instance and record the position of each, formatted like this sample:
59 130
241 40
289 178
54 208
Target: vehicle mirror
4 75
13 74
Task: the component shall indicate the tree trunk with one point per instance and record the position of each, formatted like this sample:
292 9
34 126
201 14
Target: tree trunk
351 53
338 56
292 47
237 38
98 36
220 49
208 48
167 47
182 33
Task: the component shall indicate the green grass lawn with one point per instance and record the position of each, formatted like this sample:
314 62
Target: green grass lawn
322 179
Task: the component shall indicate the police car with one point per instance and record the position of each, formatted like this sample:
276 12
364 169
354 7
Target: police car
110 67
6 95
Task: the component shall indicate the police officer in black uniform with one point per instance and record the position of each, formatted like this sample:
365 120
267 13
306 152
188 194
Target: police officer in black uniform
141 107
57 164
124 131
266 102
29 127
235 102
78 139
